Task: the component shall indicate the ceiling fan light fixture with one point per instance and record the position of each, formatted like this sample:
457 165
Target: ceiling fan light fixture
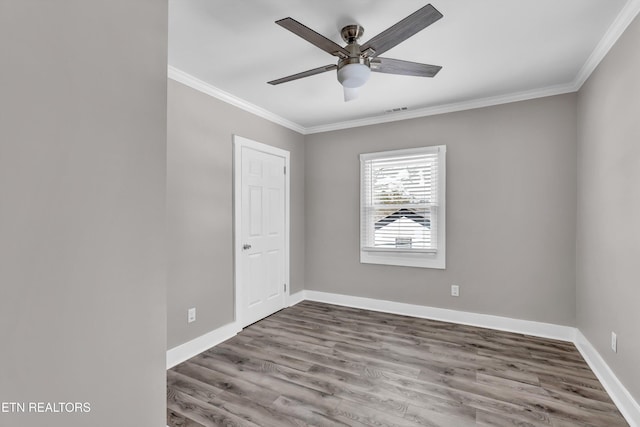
355 60
350 93
353 75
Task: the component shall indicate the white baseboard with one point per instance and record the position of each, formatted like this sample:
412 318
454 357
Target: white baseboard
294 299
629 408
528 327
204 342
619 394
196 346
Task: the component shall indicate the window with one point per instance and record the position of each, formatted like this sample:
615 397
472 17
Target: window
402 207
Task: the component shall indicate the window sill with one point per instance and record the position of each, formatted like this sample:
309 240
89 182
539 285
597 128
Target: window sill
405 259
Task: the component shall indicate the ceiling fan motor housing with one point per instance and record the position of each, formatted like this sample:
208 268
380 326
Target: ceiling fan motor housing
355 70
351 33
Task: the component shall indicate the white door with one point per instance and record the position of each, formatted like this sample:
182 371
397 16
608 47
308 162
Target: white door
261 256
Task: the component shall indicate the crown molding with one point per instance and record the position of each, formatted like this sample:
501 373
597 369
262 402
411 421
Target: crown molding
447 108
613 33
197 84
616 29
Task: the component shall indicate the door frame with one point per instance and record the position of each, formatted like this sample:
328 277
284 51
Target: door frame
239 143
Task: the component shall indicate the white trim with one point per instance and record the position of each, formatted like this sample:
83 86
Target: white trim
528 327
204 87
431 259
204 342
238 143
296 298
629 408
199 85
616 29
192 348
447 108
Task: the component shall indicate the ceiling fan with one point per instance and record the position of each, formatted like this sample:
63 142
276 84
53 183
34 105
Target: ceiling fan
356 61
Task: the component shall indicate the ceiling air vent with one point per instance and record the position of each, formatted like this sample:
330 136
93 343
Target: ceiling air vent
396 110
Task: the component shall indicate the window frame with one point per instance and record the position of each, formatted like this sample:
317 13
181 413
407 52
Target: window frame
422 259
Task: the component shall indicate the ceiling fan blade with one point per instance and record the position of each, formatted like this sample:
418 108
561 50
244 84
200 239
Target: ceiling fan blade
396 34
304 74
312 37
405 68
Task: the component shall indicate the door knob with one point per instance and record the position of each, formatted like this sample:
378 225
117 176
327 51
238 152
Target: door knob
246 246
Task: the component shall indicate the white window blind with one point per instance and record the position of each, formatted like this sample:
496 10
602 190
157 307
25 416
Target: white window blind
401 201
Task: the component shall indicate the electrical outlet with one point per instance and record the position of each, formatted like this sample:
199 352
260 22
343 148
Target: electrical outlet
191 316
614 342
455 290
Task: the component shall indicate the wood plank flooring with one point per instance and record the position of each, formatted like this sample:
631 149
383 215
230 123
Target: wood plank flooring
325 365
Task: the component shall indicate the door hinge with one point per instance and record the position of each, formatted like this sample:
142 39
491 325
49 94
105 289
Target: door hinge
285 170
285 287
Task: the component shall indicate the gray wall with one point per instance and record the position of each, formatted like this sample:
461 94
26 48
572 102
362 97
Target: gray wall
200 208
511 183
82 171
608 227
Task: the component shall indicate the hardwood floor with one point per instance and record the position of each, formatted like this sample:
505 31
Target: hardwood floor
325 365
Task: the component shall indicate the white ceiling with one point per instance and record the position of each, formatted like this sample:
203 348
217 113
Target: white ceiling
491 51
